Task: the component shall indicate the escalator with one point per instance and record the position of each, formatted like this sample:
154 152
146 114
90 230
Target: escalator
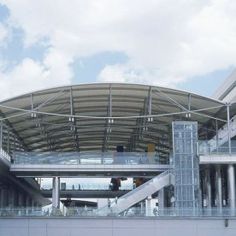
140 193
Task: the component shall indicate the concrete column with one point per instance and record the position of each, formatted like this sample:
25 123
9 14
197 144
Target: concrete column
32 203
208 187
56 192
12 198
218 180
231 186
21 200
4 197
28 201
161 199
142 206
149 206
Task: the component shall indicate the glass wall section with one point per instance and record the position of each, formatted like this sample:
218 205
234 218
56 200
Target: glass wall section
186 164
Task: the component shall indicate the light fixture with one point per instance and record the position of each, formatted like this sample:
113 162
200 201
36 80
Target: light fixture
33 114
71 119
110 121
145 128
188 115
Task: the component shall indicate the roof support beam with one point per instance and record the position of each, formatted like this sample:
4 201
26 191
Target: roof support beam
196 112
72 119
184 109
150 119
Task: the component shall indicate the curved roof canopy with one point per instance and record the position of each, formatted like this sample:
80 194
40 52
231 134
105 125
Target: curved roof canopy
101 116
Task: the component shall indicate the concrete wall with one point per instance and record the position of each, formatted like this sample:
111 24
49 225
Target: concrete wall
116 227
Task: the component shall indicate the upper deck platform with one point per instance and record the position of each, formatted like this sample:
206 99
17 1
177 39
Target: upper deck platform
218 159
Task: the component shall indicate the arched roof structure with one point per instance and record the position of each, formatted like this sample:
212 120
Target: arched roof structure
100 116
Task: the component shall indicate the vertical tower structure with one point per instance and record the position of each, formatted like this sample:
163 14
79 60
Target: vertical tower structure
186 164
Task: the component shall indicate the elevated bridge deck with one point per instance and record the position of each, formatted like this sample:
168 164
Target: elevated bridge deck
98 170
85 193
86 164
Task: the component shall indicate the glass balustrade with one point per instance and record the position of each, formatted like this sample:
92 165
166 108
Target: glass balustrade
211 147
205 147
88 158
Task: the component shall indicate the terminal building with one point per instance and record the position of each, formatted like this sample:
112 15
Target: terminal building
176 150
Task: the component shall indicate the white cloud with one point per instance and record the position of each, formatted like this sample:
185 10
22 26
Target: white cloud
3 34
30 75
166 41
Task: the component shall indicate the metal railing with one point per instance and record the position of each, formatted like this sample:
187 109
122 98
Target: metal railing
89 186
131 212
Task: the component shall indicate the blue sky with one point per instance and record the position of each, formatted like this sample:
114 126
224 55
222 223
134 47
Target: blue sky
109 42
